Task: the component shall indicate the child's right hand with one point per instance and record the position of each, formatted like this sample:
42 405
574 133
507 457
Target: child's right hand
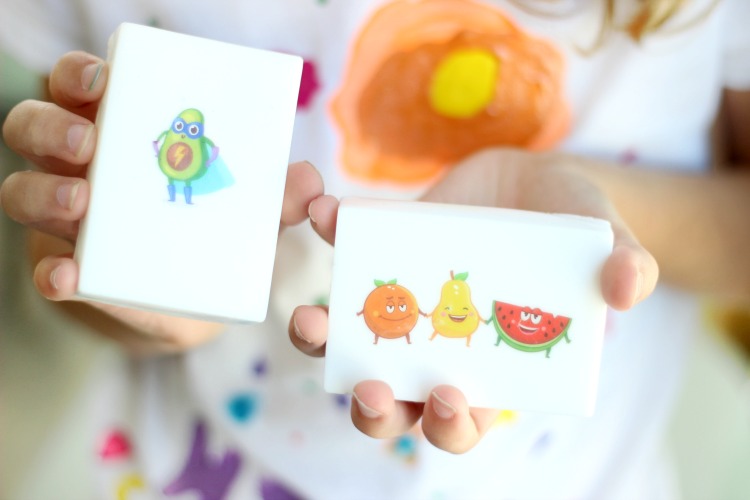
550 182
59 137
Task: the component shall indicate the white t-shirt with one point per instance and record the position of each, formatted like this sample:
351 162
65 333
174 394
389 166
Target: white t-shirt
245 416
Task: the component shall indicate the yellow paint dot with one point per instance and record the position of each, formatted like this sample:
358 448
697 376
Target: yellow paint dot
128 483
506 417
464 83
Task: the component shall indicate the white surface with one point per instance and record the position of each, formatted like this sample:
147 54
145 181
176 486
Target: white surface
545 261
214 258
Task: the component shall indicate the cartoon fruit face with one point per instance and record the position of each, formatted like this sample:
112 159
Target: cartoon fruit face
182 156
455 314
528 329
390 311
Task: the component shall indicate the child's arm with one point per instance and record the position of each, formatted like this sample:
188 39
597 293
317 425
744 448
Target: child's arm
695 226
59 138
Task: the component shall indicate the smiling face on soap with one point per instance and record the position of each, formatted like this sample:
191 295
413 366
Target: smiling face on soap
390 311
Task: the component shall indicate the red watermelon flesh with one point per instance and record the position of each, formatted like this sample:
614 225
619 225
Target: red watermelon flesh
529 326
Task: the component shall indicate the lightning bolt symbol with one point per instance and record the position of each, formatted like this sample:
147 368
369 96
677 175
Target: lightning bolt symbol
179 155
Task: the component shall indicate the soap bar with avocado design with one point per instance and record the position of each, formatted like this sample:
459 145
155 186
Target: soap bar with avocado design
503 304
188 176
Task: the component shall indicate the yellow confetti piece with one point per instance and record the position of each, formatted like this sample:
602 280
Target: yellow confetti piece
505 417
129 483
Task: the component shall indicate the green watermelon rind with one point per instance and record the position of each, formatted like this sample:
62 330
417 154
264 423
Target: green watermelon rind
547 346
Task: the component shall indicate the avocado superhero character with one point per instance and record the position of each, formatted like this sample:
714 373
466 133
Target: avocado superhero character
183 154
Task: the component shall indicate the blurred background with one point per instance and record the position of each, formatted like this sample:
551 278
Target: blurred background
45 360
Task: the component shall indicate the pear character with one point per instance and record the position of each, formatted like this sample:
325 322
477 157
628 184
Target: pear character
455 315
183 153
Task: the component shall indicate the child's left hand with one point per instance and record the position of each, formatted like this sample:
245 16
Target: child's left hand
502 178
58 137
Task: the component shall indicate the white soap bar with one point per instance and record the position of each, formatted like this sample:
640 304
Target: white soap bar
513 312
188 176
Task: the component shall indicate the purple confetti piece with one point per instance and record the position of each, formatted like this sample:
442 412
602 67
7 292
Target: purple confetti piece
274 490
342 400
209 476
260 367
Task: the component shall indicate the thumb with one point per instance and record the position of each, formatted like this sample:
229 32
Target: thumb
630 273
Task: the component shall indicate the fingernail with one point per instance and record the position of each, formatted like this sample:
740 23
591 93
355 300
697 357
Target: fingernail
366 410
442 408
309 212
53 278
297 332
90 75
66 194
78 137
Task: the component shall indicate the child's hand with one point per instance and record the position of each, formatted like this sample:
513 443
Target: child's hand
502 178
60 138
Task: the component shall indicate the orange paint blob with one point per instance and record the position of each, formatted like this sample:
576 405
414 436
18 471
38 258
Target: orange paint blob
430 82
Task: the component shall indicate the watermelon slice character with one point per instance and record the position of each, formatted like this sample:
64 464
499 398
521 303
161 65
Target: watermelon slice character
527 329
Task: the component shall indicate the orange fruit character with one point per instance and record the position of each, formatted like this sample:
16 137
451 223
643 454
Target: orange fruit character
390 311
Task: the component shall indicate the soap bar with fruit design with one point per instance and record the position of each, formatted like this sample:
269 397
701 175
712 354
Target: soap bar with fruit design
503 304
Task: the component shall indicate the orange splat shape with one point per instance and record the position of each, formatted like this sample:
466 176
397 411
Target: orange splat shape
430 82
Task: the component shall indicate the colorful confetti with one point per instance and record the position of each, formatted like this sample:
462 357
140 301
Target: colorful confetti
342 401
243 407
210 476
505 417
405 447
274 490
260 367
116 446
309 85
129 483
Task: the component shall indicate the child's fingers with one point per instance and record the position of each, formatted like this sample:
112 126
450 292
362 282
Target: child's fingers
377 414
308 329
323 212
56 277
49 203
55 139
450 424
61 137
630 273
77 83
303 185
